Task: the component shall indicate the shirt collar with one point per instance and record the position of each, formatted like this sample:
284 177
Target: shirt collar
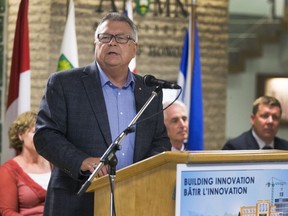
177 150
260 142
105 80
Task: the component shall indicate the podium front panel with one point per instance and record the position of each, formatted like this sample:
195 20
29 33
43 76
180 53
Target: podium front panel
232 189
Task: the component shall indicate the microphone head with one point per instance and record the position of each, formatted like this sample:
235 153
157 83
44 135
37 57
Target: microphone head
148 80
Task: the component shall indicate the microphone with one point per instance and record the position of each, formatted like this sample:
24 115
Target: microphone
150 80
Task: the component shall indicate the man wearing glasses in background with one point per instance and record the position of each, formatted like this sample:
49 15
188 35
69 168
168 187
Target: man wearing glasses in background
84 110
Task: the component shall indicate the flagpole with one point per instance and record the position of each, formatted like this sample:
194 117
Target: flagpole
129 12
192 33
67 8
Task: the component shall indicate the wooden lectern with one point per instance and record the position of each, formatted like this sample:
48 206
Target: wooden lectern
148 187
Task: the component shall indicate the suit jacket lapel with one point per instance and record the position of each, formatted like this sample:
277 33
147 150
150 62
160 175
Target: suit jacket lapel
141 97
252 143
92 85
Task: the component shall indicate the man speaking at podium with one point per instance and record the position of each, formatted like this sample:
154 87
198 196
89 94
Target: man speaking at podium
83 111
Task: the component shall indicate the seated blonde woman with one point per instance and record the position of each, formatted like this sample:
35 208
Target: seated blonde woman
24 178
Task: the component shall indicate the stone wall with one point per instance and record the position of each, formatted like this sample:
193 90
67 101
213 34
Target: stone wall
160 47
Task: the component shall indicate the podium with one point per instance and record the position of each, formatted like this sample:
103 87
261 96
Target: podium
148 187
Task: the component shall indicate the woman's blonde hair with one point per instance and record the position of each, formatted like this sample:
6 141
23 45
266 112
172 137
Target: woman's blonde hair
24 122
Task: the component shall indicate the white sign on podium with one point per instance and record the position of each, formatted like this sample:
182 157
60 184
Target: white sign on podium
232 189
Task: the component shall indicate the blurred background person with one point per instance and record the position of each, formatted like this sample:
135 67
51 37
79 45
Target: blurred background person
176 122
265 121
24 178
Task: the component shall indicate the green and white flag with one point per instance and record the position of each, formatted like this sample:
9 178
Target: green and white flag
69 52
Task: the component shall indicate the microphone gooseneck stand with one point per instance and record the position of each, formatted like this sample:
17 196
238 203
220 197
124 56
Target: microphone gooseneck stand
112 176
110 153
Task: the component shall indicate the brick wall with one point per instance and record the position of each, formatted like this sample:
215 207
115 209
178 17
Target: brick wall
160 47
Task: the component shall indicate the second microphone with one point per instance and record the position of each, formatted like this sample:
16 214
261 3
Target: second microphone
150 80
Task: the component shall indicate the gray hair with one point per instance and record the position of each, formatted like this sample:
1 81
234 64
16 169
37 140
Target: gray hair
177 102
120 17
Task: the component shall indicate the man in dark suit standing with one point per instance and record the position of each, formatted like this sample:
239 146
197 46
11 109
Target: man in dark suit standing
84 110
265 122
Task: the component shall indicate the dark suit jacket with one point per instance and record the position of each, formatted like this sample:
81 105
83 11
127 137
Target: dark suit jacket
246 141
72 125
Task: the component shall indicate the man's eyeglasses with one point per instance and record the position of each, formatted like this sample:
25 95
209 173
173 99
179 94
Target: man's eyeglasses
120 38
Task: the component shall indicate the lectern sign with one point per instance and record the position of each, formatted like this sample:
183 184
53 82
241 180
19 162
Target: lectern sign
232 189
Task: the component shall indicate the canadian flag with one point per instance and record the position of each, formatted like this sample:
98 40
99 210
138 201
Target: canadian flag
19 85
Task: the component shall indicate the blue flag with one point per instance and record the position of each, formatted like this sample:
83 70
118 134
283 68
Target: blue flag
191 82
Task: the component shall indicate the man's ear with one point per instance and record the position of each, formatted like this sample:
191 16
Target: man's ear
252 118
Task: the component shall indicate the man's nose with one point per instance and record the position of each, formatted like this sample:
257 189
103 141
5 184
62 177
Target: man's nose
113 41
182 122
270 119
